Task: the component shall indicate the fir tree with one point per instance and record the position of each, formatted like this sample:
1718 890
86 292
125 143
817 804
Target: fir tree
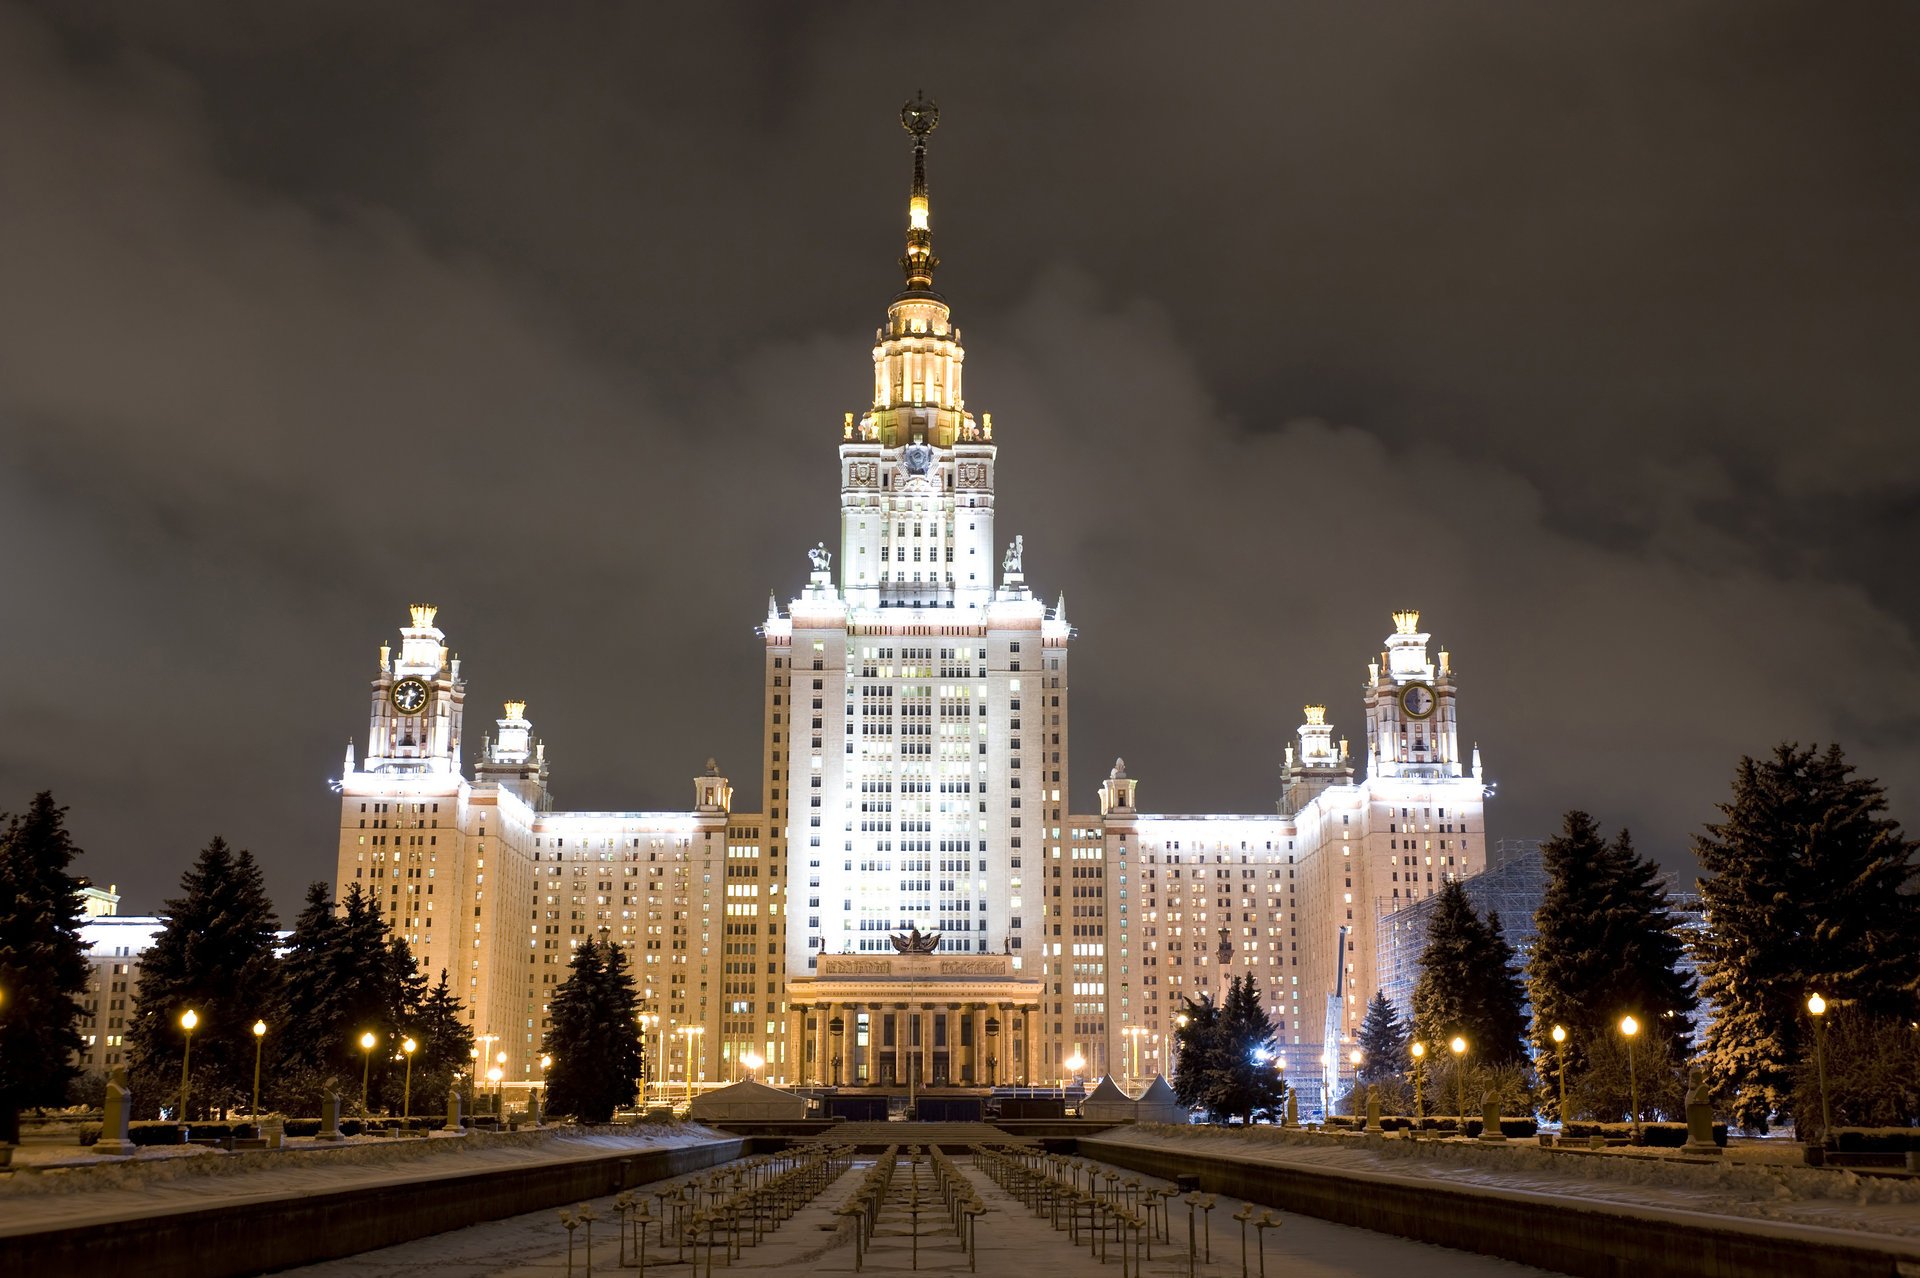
1383 1046
1807 887
310 1017
445 1039
1607 946
1224 1055
1246 1083
595 1036
43 965
1467 985
1194 1040
215 955
346 974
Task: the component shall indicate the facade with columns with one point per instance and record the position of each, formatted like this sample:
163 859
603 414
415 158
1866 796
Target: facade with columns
914 765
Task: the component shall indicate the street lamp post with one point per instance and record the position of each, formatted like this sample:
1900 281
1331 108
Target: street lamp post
649 1022
1560 1067
406 1095
1631 1029
188 1019
259 1040
473 1078
367 1041
1458 1046
1073 1064
1133 1033
753 1061
1419 1051
692 1032
1817 1009
499 1092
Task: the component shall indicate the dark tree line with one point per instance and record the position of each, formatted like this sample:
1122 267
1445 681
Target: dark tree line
341 973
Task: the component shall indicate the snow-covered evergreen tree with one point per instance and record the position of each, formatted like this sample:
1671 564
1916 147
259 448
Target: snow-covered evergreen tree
215 955
1807 887
595 1039
1606 946
1467 984
43 966
1383 1045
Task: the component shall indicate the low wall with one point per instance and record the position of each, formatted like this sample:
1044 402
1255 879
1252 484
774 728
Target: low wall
1584 1237
233 1239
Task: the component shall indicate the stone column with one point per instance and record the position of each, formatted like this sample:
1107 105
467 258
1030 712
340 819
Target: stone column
924 1013
977 1057
1027 1073
795 1073
900 1044
832 1044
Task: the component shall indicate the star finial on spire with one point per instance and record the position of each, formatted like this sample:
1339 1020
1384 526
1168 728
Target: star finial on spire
920 118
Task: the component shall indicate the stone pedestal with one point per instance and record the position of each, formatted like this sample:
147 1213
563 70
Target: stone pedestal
1373 1109
535 1111
453 1109
118 1110
1293 1111
330 1118
1490 1120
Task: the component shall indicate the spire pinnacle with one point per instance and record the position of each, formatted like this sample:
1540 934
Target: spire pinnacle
920 118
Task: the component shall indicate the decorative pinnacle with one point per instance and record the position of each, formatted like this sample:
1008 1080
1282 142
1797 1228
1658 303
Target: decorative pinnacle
422 614
1407 621
920 118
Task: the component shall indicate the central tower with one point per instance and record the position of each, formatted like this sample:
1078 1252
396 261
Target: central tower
916 471
916 690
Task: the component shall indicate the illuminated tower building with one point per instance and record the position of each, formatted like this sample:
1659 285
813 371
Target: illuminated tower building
916 707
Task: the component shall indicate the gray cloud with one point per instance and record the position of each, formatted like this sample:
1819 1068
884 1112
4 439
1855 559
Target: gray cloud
1584 334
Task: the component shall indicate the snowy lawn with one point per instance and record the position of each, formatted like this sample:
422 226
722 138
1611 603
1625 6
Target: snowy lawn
1753 1183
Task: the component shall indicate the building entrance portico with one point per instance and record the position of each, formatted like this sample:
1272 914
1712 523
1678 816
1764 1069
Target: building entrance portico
913 1020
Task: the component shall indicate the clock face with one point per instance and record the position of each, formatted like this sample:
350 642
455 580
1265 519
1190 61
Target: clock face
409 696
1417 700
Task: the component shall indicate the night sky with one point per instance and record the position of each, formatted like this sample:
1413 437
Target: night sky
1587 330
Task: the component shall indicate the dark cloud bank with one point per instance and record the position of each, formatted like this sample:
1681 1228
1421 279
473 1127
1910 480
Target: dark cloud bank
1587 332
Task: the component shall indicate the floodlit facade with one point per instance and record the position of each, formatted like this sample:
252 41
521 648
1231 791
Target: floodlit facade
914 768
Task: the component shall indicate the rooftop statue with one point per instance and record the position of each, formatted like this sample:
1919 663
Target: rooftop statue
915 942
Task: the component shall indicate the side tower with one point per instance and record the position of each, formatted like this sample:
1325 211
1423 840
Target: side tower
402 807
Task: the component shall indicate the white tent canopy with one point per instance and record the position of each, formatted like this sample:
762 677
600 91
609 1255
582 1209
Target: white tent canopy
1107 1101
748 1101
1158 1104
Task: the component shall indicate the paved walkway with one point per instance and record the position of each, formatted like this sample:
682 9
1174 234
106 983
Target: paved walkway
1011 1241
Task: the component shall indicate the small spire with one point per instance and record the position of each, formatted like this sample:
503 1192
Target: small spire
920 118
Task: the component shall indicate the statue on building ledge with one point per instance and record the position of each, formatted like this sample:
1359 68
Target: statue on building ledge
915 941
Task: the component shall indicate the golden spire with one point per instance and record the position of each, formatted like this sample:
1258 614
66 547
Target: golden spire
919 117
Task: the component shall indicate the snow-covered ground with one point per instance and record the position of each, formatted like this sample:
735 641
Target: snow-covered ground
1011 1241
154 1182
1759 1186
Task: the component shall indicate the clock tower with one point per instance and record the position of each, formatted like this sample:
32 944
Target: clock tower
418 694
1412 722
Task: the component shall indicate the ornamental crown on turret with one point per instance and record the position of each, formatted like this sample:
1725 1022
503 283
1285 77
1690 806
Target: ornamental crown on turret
1406 621
422 614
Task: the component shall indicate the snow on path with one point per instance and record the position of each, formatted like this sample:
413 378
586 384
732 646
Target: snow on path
135 1188
1834 1199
